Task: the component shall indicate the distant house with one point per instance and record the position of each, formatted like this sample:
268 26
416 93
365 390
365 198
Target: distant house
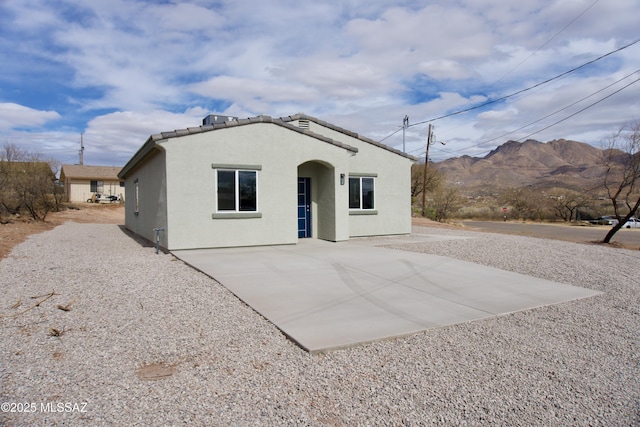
265 181
82 182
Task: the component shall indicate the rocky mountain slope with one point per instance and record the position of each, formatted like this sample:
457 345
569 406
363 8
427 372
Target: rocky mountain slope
560 163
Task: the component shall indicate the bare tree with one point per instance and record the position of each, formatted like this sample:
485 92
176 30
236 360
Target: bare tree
10 203
520 201
565 204
446 200
27 183
622 178
57 191
526 203
425 181
432 181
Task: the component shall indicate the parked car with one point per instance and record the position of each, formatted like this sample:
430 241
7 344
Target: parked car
604 220
632 223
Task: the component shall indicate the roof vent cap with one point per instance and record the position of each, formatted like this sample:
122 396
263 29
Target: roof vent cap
303 124
217 119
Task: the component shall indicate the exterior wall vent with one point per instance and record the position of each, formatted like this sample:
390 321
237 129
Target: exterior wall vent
217 119
303 124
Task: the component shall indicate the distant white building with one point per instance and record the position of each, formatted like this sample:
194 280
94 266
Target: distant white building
82 182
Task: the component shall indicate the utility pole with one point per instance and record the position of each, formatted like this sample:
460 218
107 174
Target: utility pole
81 150
424 172
405 125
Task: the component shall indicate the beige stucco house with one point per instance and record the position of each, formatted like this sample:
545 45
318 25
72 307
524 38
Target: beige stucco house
81 182
265 181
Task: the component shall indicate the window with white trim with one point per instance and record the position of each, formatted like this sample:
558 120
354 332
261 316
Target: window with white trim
136 205
96 186
361 193
237 190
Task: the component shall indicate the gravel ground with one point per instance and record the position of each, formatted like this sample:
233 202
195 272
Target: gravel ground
132 313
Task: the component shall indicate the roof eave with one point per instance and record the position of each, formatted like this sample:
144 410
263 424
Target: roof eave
149 146
302 116
152 142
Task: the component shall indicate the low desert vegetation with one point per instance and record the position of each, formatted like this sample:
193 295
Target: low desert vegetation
622 179
440 198
432 196
28 185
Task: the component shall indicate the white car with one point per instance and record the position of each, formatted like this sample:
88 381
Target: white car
632 223
604 220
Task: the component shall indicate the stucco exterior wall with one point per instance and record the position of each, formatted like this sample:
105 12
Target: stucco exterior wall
392 192
193 220
323 206
392 174
79 190
151 210
177 177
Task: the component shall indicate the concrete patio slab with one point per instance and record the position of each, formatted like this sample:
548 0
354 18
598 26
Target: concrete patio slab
327 295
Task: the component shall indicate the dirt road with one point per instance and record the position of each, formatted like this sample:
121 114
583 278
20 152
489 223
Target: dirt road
17 232
629 239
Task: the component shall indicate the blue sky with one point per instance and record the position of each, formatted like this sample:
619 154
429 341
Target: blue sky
119 70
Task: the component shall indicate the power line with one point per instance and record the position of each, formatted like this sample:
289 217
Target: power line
580 111
526 89
551 114
546 43
466 110
389 136
555 112
577 112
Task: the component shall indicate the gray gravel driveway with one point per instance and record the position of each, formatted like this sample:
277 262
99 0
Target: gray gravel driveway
142 339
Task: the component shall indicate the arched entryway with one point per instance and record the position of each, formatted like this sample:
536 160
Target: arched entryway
316 200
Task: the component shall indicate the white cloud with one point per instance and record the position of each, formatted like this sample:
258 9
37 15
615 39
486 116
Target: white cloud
446 31
247 91
443 69
14 116
114 138
362 65
505 116
341 78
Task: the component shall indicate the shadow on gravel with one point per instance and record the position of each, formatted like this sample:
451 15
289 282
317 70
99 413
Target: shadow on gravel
145 243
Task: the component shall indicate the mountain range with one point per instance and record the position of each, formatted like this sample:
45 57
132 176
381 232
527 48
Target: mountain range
555 164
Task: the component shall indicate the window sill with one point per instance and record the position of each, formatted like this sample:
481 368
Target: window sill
236 215
364 212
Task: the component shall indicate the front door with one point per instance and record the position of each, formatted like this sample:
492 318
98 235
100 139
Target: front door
304 207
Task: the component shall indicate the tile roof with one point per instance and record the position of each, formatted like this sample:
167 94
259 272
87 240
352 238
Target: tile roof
302 116
243 122
149 145
90 172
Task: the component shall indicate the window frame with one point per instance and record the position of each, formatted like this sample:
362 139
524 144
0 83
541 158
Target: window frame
237 210
136 203
361 199
96 186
